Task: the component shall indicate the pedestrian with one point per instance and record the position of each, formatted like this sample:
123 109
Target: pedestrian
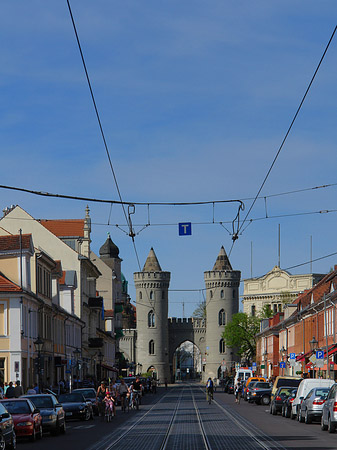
238 391
165 384
18 390
10 393
36 388
31 391
154 385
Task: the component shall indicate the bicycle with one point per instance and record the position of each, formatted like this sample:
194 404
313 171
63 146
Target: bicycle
124 402
108 413
209 395
135 400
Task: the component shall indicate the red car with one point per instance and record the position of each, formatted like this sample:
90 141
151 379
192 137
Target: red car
27 419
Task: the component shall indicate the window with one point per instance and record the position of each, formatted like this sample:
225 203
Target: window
151 295
222 317
275 308
222 347
222 295
150 319
151 347
211 294
140 295
253 310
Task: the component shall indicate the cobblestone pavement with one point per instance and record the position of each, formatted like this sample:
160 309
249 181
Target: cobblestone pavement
183 420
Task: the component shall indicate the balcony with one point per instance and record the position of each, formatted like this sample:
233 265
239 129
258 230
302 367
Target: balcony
96 342
95 302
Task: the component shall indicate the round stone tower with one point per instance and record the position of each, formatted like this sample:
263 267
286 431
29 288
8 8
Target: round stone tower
152 318
222 301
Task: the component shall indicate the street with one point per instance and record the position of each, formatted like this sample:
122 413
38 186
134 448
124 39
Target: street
180 418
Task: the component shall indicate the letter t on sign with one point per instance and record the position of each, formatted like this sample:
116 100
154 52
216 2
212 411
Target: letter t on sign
185 229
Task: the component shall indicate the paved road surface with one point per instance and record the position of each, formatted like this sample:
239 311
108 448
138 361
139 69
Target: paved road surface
181 419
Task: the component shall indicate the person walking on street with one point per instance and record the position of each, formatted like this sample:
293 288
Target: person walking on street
18 390
238 391
10 393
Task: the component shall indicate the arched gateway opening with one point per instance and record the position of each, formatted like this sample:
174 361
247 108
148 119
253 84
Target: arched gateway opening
186 364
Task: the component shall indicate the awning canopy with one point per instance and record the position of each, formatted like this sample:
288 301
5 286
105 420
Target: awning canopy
110 368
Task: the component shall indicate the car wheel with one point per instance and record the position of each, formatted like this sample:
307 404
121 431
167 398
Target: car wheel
40 433
299 416
265 400
273 410
292 416
331 426
87 415
33 436
2 442
307 418
12 444
63 428
323 427
270 409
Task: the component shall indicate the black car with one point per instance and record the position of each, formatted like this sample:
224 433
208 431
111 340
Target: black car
260 393
52 412
7 433
230 387
247 392
287 404
281 395
76 406
89 394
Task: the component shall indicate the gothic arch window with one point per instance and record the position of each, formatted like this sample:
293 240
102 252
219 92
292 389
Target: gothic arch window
140 295
150 319
163 295
222 317
151 295
211 294
222 294
151 347
233 293
222 346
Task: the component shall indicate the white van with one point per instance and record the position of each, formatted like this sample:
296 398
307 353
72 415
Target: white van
303 389
243 374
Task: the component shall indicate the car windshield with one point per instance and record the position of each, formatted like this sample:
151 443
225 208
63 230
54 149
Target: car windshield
322 393
71 398
42 402
88 393
251 384
285 391
262 385
17 407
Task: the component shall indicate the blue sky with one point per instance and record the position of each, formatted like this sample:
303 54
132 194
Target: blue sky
195 99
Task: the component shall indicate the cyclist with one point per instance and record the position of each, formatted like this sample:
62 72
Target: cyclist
209 389
100 395
123 391
136 389
109 406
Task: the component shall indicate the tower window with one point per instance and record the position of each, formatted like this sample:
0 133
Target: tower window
233 293
151 347
253 310
151 295
140 295
222 346
222 317
151 319
222 294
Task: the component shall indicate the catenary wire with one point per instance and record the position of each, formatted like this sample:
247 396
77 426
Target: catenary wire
289 129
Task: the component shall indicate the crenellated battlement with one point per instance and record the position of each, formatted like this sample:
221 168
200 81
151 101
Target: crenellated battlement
145 276
184 322
226 275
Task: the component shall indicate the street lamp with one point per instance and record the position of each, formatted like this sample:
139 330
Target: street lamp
77 353
39 343
100 359
283 353
313 346
265 359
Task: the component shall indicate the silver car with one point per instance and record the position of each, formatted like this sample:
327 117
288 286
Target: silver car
312 404
329 411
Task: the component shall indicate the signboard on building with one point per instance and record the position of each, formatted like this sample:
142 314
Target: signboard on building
185 229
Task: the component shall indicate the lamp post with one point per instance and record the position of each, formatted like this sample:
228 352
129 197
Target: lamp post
39 343
265 359
283 353
314 346
100 359
77 353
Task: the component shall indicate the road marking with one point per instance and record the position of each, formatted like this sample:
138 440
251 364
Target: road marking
83 427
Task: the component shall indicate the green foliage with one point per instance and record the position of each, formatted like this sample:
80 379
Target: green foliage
240 334
200 311
266 312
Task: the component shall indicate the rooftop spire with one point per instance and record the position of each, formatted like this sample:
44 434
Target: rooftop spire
222 262
151 263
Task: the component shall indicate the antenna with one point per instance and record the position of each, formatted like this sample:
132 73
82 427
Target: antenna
279 245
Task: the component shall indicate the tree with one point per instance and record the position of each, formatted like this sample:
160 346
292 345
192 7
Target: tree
240 334
200 311
266 312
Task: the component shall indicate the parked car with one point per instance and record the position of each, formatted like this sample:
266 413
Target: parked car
89 394
247 391
276 402
227 382
329 411
7 431
303 389
286 408
27 419
312 404
76 406
260 393
243 373
285 381
52 412
246 384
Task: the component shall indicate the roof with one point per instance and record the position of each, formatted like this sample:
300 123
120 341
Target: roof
324 286
151 263
12 242
222 262
109 249
64 227
68 278
7 285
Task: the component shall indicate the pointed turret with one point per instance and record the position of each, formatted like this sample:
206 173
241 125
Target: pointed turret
222 262
151 263
109 249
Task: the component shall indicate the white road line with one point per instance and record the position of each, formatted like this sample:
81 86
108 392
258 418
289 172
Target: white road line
201 425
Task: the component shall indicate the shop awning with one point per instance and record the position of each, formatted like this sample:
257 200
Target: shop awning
110 368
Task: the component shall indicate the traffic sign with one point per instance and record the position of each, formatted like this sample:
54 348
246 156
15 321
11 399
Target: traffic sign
292 356
282 365
185 229
320 354
254 364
